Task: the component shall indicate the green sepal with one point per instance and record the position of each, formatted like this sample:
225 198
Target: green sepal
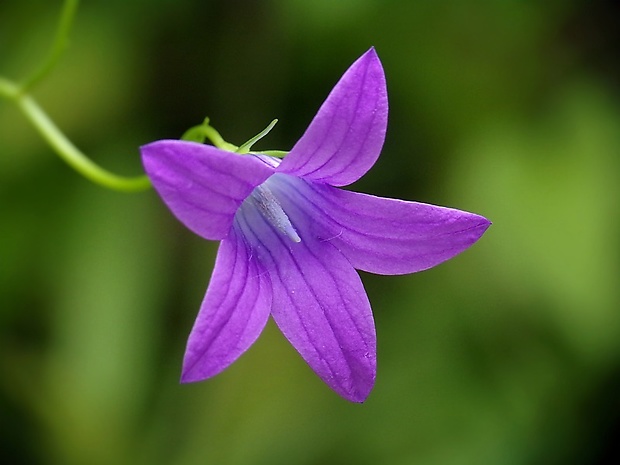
245 148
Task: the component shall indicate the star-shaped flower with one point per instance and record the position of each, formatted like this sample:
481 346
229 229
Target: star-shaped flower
291 240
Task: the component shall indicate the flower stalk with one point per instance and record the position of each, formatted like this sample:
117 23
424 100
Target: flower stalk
60 43
64 148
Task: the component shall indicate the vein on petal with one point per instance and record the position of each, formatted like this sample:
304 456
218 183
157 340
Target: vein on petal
344 138
208 167
217 330
352 363
276 269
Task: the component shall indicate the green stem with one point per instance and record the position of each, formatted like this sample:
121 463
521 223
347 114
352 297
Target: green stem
46 127
64 147
61 40
206 131
8 89
72 155
217 140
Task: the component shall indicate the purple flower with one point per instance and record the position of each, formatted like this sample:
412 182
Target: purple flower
291 240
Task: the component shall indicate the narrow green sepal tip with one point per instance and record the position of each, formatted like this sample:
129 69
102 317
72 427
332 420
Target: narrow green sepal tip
245 148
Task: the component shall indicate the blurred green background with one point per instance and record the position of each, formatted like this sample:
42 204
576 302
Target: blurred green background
509 354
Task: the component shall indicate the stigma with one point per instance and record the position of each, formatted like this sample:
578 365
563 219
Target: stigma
268 205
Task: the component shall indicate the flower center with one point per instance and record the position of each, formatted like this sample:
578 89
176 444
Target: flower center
268 205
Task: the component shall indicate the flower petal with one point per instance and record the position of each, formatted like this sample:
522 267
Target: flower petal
233 313
345 137
320 305
202 185
380 235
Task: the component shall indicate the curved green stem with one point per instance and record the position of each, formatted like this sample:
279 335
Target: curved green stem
64 147
8 89
72 155
61 40
46 127
206 131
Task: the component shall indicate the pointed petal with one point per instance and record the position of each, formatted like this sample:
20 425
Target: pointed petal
379 235
345 137
233 313
202 185
320 305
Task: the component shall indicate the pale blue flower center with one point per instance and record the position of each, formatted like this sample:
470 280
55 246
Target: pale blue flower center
267 204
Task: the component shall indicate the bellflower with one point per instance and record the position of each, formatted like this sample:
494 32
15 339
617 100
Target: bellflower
291 240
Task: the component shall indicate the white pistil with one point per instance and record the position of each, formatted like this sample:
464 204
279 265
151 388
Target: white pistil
272 211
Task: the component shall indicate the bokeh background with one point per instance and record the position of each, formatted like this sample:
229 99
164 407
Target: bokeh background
508 354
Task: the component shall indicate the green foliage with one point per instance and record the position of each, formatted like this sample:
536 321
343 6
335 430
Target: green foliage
508 354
